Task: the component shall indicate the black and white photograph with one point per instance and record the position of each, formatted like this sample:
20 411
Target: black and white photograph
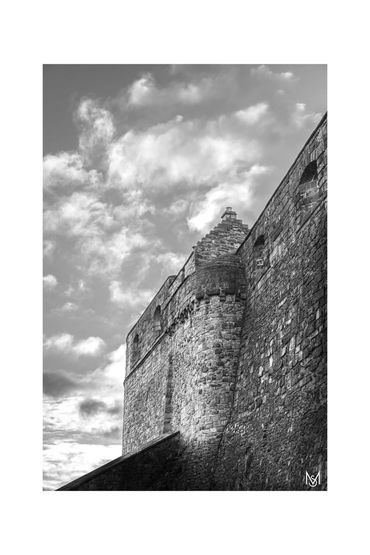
185 277
185 289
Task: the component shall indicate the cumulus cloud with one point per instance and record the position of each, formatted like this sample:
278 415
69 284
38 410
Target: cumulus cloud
50 282
129 297
92 346
103 238
225 194
62 342
252 114
81 214
96 130
65 343
301 117
145 92
180 152
66 170
267 73
114 370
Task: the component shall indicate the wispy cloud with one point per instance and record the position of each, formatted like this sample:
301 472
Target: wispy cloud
97 130
145 92
57 383
68 307
302 118
66 170
90 407
225 194
66 344
252 114
180 153
265 72
129 297
48 248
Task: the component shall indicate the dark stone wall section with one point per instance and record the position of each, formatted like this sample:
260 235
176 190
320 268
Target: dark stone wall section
155 467
278 427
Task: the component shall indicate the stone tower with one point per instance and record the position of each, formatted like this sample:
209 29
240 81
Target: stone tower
182 354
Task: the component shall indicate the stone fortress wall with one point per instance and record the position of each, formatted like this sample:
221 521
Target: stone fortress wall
230 355
183 352
277 426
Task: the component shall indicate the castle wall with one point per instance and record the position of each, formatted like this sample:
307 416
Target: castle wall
277 431
187 378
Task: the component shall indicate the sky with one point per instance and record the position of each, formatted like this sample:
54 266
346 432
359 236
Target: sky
139 163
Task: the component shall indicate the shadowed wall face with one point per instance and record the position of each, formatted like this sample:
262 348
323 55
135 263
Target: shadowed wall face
278 426
187 379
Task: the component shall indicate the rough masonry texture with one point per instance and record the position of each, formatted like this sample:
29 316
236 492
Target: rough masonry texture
225 384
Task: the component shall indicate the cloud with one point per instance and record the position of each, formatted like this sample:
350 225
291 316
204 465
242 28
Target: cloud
113 372
67 460
265 72
92 346
115 432
103 234
58 383
178 207
144 92
49 248
97 130
50 282
64 343
66 170
90 407
129 297
301 118
225 194
171 261
68 307
191 153
81 214
253 114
